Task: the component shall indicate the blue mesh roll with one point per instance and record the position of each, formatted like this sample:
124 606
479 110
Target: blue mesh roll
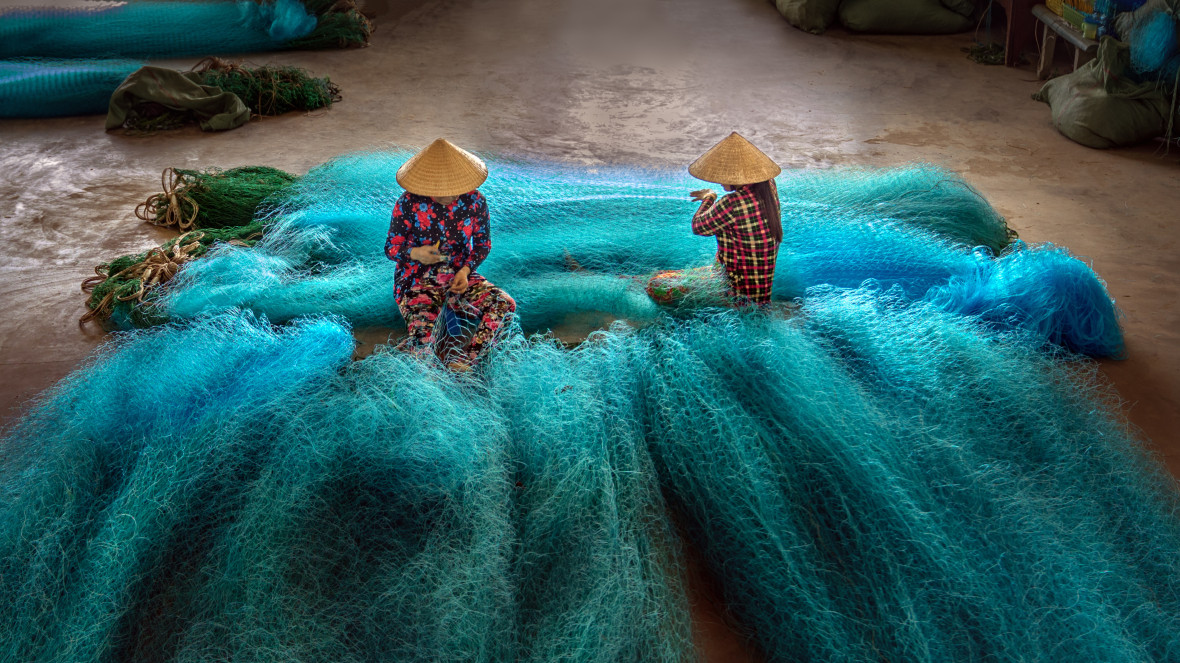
154 29
51 88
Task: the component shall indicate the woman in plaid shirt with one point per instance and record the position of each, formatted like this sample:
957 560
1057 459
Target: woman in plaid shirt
747 222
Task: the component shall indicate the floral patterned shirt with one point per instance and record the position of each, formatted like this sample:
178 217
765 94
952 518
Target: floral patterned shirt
462 228
745 246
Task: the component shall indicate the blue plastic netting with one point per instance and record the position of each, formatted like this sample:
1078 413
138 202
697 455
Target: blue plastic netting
52 88
572 241
1155 46
273 502
895 470
154 29
871 479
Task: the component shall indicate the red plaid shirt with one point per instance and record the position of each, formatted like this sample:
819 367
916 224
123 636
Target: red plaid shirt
745 246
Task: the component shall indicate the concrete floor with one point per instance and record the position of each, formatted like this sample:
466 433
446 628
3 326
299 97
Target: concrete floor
621 81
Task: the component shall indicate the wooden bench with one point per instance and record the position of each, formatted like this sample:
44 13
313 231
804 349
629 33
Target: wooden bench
1055 26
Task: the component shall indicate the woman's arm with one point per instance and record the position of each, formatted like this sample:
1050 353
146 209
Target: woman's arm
397 244
712 216
481 234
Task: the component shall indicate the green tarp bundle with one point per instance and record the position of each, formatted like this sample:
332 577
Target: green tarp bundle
880 16
909 17
810 15
1101 105
220 95
214 108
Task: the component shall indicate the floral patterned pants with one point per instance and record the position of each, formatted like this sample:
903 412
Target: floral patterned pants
483 305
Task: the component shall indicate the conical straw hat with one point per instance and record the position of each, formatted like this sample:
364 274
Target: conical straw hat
734 160
442 170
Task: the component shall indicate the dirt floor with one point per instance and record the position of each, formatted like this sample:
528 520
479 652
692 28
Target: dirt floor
618 81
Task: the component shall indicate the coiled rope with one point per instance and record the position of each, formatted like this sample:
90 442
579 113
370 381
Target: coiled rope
165 209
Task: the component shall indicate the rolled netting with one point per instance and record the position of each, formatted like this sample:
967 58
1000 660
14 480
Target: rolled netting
32 87
150 29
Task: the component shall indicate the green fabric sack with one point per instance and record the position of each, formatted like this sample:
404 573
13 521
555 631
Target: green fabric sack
215 109
1100 106
962 7
814 16
902 17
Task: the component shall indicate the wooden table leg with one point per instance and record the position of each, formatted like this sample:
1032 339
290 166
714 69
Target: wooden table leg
1048 49
1020 30
1081 57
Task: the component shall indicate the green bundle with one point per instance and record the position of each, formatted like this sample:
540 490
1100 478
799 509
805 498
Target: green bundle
340 25
123 286
207 206
269 90
212 198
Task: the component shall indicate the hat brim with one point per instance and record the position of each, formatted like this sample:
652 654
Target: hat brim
442 169
734 161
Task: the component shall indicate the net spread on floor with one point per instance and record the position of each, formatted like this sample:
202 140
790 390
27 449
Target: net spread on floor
905 468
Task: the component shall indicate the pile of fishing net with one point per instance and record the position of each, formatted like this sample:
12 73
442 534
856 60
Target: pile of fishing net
577 242
871 479
213 198
208 207
339 24
269 89
882 16
903 468
150 29
120 286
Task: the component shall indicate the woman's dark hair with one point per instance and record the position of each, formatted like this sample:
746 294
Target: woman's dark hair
767 196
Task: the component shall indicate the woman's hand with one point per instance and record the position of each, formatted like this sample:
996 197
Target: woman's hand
427 254
459 284
704 194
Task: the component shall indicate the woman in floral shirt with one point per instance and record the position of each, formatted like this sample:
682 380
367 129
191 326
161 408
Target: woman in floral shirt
439 235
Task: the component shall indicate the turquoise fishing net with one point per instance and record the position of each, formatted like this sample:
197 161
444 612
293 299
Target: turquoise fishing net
276 502
881 481
569 241
51 88
908 466
1155 47
871 479
153 29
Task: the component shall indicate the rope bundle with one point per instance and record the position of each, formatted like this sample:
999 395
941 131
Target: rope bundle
206 206
173 207
212 198
127 282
